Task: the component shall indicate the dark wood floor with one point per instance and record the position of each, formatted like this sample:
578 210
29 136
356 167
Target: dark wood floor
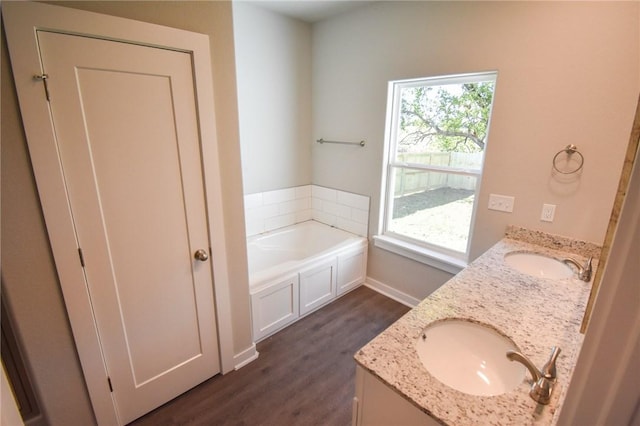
305 374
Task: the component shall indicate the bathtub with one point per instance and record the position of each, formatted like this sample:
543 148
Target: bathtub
295 270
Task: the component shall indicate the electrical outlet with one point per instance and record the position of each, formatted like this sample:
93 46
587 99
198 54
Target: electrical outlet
501 203
548 212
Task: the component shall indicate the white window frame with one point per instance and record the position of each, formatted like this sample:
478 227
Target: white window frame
439 257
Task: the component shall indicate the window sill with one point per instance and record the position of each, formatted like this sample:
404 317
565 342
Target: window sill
420 254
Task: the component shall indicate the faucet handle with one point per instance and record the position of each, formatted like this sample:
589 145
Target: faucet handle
585 275
549 369
543 381
588 264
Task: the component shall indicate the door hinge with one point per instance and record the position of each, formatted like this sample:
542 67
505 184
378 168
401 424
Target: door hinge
43 78
110 386
81 256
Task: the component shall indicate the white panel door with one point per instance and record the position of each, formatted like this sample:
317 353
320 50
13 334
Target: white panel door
127 131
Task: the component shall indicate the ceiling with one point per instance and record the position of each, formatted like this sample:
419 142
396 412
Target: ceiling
309 10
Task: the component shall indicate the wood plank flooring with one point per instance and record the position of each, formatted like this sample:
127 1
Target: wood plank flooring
305 374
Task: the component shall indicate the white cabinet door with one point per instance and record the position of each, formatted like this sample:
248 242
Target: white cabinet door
127 130
352 267
375 404
274 307
317 286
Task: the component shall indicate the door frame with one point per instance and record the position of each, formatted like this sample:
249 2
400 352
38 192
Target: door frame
22 20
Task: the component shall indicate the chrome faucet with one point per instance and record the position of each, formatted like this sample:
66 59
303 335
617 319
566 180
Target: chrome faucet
543 381
584 271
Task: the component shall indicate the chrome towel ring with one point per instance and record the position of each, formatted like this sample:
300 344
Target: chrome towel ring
568 158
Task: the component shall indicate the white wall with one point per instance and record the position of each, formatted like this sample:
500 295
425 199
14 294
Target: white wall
568 72
273 64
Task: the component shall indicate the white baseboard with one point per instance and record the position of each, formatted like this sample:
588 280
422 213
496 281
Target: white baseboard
245 357
392 293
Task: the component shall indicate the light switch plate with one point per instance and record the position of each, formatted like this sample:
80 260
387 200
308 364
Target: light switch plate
548 212
503 203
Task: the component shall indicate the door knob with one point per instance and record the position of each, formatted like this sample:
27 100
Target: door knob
201 255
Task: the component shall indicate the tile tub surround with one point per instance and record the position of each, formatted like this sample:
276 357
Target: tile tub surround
266 211
536 313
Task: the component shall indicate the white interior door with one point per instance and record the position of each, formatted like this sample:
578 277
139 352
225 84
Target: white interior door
126 126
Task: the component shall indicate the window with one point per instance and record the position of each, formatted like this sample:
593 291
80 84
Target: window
436 134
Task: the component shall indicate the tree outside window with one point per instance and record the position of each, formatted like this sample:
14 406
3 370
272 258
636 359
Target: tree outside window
437 131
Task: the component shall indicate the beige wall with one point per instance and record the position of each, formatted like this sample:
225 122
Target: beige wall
31 287
568 72
605 389
273 64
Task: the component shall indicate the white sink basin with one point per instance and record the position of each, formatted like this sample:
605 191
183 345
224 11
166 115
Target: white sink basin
469 357
538 265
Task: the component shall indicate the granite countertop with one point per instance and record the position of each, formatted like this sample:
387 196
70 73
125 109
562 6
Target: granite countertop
536 313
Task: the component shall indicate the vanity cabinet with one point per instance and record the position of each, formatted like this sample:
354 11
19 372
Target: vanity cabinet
375 404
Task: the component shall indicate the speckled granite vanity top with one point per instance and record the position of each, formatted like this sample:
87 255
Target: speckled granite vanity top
536 313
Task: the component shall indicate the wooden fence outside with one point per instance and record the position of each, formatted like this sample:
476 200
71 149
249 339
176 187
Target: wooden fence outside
409 181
